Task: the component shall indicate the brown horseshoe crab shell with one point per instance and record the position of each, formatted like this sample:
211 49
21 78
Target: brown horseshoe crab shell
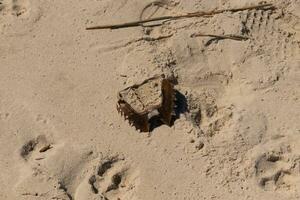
154 96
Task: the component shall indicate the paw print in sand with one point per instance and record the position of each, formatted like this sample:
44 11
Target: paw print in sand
113 179
277 172
56 167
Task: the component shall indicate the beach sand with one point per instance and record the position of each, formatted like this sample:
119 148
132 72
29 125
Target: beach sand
236 138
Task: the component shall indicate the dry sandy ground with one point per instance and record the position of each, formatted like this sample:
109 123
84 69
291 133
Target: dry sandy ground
61 136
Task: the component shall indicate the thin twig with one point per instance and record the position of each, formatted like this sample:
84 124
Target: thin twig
230 36
45 148
133 41
151 39
175 17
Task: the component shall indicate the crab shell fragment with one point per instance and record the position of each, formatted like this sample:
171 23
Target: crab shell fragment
140 102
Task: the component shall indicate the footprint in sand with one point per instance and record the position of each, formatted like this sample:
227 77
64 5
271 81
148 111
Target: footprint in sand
14 8
113 179
17 17
269 169
278 170
52 167
56 167
68 172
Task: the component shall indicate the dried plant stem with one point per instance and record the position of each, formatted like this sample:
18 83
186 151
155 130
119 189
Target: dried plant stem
175 17
230 36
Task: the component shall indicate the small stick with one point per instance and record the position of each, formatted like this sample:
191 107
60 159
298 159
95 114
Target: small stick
230 36
175 17
45 148
151 39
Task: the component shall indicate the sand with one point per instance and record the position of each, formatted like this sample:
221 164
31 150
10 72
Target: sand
237 135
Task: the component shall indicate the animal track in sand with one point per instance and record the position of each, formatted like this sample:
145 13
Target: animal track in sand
50 165
14 7
18 16
204 112
276 171
35 153
268 169
113 179
47 167
32 145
